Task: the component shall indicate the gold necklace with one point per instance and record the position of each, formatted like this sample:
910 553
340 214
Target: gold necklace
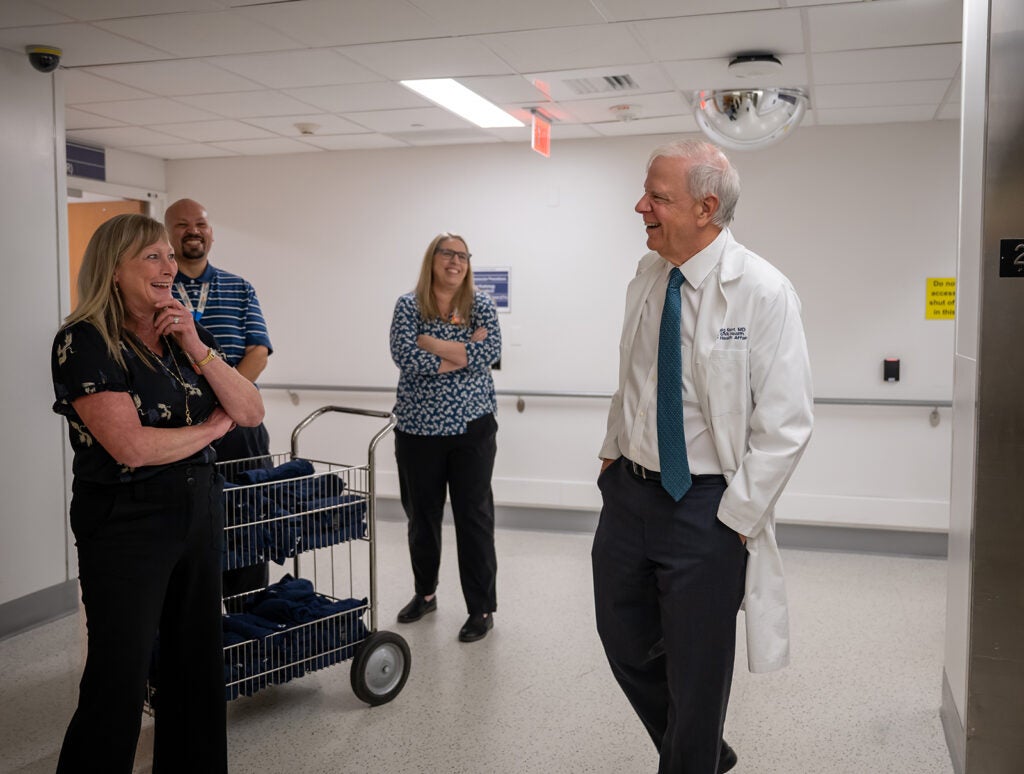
185 386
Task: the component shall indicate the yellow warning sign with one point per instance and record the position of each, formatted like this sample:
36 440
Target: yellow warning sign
940 298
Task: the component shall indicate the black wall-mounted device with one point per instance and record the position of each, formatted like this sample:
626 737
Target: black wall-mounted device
891 369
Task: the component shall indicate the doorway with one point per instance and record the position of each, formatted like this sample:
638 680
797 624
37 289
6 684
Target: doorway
84 217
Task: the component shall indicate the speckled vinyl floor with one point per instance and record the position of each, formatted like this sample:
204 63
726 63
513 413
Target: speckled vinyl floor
535 695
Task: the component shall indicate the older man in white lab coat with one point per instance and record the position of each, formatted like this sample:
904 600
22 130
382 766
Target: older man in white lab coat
687 526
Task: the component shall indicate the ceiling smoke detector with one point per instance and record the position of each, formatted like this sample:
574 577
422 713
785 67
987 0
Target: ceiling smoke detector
624 112
754 66
307 128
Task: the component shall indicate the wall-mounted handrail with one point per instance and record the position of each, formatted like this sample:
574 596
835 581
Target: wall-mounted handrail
908 402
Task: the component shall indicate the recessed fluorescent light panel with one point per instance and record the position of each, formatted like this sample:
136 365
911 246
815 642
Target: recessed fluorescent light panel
455 97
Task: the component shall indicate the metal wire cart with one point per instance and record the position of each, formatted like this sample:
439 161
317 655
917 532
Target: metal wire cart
312 512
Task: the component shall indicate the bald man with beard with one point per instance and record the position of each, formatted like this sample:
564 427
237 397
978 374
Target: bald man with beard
226 305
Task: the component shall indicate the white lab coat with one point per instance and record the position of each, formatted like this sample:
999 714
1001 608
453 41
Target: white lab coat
752 377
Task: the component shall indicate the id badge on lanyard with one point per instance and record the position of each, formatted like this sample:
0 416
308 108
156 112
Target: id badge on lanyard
198 309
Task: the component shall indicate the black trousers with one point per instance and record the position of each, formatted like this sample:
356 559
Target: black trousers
668 583
429 466
149 558
245 443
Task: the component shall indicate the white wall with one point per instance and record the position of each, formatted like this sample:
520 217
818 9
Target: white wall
32 533
858 217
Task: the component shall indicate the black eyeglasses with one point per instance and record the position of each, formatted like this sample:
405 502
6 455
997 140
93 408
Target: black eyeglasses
449 254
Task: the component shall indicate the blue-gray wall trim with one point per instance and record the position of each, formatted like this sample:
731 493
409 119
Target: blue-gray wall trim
817 538
38 608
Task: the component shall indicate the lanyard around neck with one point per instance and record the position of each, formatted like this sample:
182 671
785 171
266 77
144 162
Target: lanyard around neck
204 295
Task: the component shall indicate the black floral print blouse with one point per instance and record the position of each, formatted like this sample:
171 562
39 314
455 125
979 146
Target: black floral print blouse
81 365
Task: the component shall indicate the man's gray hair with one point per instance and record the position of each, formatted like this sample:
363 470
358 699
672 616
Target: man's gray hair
710 173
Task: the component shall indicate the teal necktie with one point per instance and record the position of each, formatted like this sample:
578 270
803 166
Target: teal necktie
675 469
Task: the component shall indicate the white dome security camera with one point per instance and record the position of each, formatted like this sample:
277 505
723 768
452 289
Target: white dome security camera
44 58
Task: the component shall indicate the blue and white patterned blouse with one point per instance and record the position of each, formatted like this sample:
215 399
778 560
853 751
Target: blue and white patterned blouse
429 403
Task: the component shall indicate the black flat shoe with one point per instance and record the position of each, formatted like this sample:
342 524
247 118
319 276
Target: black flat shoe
476 627
416 609
727 758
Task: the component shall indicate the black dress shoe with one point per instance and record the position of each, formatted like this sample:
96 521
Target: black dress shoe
416 609
476 627
727 758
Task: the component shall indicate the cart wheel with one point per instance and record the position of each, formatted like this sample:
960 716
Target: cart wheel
380 668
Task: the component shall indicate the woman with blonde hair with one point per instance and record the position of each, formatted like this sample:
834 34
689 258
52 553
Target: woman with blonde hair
145 392
444 340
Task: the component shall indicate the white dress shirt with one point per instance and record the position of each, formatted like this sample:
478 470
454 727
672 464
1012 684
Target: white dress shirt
640 394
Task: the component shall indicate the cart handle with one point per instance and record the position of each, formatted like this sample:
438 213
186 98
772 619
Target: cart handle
392 421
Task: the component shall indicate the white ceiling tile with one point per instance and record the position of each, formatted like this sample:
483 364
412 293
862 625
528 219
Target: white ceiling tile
149 111
253 68
559 131
321 23
414 119
567 48
873 115
626 10
723 36
327 124
512 133
82 44
552 110
248 104
641 106
359 96
201 34
122 137
445 137
22 13
885 24
903 93
93 10
572 132
82 86
189 150
80 119
576 84
910 63
437 58
266 147
462 17
697 74
354 142
215 131
668 125
288 69
504 88
174 78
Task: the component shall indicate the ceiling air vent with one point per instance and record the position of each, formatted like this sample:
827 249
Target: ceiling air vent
607 84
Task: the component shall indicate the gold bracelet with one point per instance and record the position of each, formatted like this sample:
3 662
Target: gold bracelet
210 355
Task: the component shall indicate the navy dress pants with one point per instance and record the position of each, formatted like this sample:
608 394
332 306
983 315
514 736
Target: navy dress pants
668 583
430 467
149 557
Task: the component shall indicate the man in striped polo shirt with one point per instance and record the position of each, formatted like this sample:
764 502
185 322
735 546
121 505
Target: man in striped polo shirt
226 305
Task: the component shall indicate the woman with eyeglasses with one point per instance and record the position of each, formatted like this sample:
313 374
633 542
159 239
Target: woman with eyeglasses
444 340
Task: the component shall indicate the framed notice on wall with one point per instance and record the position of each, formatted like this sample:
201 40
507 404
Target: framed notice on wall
495 283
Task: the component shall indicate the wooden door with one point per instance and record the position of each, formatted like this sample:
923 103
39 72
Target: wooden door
83 220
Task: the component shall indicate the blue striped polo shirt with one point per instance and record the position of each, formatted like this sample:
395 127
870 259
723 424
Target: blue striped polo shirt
231 313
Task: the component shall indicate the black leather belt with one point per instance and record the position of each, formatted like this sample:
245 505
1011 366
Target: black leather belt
640 471
645 474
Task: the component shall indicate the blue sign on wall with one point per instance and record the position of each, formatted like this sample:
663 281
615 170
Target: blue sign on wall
85 161
494 282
